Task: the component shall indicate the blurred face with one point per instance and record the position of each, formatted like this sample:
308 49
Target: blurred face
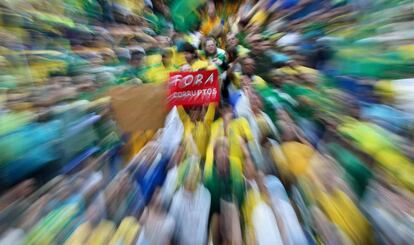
282 115
163 41
189 57
232 41
136 61
221 155
210 47
256 103
108 57
166 59
249 171
211 10
227 115
192 180
156 201
248 66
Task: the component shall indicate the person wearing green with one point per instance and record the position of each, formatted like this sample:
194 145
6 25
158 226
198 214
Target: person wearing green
358 175
214 55
136 71
224 183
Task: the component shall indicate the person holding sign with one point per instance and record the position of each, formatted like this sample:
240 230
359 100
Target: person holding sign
198 125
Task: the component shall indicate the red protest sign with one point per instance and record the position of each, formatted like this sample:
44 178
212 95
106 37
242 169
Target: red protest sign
193 88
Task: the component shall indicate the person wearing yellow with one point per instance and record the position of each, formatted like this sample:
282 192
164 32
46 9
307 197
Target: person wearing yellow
198 126
160 73
225 183
295 69
193 63
382 146
333 197
235 130
232 42
212 24
248 70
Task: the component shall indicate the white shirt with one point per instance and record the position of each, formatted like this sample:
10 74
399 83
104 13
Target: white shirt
280 202
169 186
191 212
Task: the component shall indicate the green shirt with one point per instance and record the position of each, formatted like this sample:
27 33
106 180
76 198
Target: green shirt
358 175
230 188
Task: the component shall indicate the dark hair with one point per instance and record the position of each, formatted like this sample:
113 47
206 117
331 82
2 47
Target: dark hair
137 55
225 106
166 53
233 53
187 47
248 57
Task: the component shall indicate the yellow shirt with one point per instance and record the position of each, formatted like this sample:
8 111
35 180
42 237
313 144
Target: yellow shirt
208 25
102 233
201 65
200 131
237 128
257 81
259 18
159 74
340 209
293 158
135 6
178 58
298 70
80 235
126 232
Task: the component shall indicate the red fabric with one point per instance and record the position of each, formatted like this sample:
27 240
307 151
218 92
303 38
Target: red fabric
193 88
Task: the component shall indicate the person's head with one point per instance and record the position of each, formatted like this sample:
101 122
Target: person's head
256 103
163 41
166 57
211 9
137 57
108 55
192 175
246 84
249 170
231 40
210 46
190 52
123 54
221 155
248 66
226 112
156 201
232 54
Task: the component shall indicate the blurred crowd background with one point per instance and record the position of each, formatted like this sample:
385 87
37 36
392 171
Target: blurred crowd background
311 143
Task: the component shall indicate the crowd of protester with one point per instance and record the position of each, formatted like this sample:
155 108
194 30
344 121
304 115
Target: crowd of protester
303 147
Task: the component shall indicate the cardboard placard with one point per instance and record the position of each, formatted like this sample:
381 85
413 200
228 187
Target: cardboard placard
139 108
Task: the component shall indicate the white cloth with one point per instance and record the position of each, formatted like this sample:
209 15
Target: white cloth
172 134
170 185
404 94
158 231
289 39
12 236
93 179
292 229
191 212
265 225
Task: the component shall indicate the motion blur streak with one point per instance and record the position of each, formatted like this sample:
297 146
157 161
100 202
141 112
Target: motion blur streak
297 126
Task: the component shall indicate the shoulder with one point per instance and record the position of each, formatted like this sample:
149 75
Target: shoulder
220 51
204 192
